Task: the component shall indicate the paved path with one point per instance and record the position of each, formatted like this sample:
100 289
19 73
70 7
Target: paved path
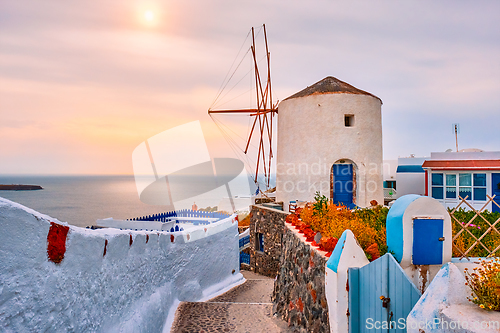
245 308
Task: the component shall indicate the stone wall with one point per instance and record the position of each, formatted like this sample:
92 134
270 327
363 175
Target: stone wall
259 201
299 290
268 222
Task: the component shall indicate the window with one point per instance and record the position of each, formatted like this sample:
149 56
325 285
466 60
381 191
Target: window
465 185
452 185
437 185
480 186
259 242
390 184
349 120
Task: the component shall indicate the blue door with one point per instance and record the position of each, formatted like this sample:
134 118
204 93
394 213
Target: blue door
342 184
495 184
428 241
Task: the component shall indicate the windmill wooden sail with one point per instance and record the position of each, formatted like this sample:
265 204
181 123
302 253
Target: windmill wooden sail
263 114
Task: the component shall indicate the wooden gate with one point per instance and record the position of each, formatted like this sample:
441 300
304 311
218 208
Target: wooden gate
380 297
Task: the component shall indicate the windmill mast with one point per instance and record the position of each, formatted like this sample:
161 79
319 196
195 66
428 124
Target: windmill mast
263 114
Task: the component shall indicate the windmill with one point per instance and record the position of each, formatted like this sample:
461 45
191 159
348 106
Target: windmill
263 114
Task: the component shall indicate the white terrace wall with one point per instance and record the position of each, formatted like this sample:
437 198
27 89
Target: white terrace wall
444 306
132 288
347 253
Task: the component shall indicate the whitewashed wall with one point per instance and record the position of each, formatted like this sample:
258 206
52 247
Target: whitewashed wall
347 254
133 288
444 306
410 183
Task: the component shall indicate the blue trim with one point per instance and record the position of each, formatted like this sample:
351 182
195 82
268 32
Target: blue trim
410 168
333 262
495 189
394 225
354 299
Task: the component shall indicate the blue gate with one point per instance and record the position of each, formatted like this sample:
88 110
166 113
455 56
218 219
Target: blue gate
244 258
342 184
495 183
380 297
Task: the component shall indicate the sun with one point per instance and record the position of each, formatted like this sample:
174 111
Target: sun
149 16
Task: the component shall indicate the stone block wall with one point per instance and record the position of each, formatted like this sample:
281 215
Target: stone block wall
259 201
299 290
270 223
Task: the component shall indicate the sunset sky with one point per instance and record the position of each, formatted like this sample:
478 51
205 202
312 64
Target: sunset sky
82 83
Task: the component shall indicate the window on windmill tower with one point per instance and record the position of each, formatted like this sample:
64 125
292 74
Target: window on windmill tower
349 120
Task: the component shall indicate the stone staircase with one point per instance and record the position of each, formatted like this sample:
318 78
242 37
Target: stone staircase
245 308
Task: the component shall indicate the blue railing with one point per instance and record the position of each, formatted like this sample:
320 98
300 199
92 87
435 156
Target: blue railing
200 213
245 240
244 258
161 217
164 217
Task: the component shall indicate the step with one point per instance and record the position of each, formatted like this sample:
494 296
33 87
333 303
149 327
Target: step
245 308
226 317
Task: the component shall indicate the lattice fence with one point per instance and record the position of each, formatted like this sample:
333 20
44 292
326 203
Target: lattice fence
477 236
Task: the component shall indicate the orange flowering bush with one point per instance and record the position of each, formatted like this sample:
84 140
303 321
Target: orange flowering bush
334 220
484 282
367 225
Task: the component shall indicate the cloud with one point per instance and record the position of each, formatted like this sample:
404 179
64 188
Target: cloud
93 73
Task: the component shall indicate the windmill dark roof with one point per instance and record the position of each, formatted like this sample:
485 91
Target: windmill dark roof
330 85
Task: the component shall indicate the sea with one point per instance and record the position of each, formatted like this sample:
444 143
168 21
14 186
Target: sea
81 200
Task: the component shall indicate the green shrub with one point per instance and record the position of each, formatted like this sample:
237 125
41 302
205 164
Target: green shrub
376 218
